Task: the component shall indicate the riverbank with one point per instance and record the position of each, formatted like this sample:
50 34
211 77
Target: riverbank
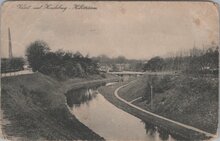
176 131
35 106
192 100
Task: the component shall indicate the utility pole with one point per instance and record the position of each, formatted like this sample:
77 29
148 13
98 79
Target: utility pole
10 45
151 96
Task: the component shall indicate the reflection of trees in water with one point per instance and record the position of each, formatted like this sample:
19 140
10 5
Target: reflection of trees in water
163 134
79 96
152 130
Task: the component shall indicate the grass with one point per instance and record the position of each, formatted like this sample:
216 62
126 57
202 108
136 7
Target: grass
191 100
35 105
176 131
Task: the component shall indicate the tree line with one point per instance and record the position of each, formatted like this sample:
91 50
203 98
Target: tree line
196 61
133 64
12 64
59 64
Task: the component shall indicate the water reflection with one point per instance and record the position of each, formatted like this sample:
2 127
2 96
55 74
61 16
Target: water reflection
80 96
163 134
150 129
93 110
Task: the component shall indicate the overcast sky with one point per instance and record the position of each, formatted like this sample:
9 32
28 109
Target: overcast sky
136 30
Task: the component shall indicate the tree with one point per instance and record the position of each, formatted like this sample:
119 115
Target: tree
120 59
17 63
35 53
154 64
12 64
138 66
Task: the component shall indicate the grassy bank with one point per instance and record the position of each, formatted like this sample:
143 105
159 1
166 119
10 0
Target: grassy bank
35 106
176 131
191 100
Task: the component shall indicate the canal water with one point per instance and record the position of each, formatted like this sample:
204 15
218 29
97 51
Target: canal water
110 122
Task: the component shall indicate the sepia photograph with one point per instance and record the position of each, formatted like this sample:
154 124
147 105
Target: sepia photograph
109 70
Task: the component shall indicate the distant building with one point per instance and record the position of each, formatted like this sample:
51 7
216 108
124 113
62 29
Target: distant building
122 67
114 67
104 68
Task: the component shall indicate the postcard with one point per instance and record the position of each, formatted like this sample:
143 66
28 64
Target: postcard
109 70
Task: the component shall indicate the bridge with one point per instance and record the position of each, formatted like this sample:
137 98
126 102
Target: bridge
129 73
125 75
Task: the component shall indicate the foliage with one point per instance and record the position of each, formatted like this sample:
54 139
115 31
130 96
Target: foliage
11 65
196 61
154 64
35 53
59 64
133 64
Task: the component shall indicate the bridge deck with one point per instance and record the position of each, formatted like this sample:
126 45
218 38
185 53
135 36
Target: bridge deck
141 73
127 73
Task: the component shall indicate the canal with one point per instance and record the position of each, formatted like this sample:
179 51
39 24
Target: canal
110 122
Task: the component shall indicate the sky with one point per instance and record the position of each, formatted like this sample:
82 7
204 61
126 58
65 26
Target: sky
136 30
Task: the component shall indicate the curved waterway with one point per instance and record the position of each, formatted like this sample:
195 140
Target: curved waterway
110 122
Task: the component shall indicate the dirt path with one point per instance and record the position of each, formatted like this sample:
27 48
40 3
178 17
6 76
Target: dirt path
158 116
135 99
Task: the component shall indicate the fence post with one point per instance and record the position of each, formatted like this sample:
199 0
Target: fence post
151 94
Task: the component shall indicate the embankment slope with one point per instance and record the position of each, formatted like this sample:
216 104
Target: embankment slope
36 107
191 100
175 130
